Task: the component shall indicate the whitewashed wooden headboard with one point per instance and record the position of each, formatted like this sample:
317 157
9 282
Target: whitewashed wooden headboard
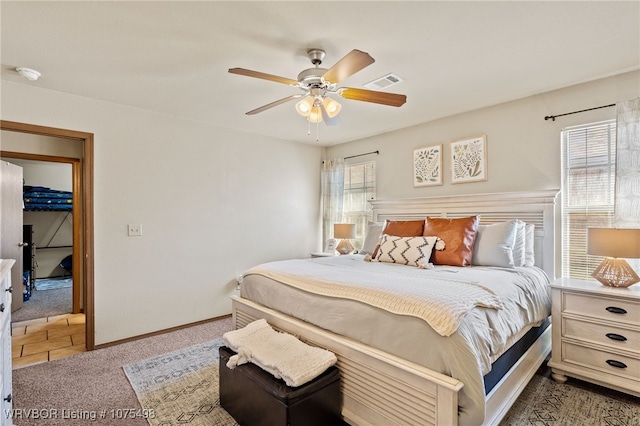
536 207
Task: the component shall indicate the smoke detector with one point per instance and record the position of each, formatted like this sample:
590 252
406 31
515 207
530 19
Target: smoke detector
28 73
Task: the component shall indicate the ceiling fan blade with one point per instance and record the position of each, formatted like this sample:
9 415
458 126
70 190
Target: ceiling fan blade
329 121
273 104
350 64
264 76
384 98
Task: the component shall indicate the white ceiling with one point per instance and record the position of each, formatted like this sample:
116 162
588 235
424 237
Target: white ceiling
173 57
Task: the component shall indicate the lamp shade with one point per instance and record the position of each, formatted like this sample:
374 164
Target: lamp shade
614 242
344 230
315 115
332 107
304 106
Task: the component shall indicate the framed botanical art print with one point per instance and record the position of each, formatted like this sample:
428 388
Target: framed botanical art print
469 159
427 166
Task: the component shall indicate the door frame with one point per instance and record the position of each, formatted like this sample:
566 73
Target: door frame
76 269
82 209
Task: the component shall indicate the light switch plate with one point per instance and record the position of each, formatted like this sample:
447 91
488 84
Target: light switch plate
134 230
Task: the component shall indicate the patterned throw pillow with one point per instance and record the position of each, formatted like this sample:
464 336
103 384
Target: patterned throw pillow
414 251
401 228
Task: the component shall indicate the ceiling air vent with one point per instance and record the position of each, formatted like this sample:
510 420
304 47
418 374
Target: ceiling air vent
384 82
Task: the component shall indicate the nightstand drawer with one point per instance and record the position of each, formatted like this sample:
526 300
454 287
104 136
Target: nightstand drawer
612 309
614 337
618 365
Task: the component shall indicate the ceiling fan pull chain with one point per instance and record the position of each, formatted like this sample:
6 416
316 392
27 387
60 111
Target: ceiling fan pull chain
317 132
309 128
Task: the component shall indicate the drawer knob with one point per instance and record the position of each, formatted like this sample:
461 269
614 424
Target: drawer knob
8 398
617 364
616 310
1 307
618 337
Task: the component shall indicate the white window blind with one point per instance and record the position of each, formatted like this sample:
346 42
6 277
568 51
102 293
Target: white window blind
359 188
588 189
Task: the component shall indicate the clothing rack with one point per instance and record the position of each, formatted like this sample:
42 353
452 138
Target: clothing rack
553 117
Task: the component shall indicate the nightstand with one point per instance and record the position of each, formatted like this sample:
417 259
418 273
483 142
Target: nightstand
596 334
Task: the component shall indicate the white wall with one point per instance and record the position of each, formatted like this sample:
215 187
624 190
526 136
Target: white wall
212 202
524 150
56 176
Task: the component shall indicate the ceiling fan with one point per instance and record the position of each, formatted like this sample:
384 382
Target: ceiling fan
318 84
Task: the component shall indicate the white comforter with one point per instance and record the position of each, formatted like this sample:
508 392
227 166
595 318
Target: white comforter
482 335
442 304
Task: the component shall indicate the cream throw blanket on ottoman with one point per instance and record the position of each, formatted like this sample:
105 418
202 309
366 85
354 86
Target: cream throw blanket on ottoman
280 354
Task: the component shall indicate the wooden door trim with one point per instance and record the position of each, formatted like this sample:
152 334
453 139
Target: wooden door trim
82 209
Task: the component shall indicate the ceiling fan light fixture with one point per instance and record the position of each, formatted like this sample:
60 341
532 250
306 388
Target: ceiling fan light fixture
332 107
304 106
315 116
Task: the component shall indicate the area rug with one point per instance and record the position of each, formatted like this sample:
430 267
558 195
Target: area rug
181 387
53 283
544 402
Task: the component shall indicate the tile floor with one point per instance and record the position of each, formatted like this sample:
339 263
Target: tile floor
46 339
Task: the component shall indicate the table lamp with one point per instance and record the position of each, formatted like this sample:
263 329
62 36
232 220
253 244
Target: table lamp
344 231
616 244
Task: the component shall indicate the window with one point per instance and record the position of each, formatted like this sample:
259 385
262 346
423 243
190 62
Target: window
359 188
588 188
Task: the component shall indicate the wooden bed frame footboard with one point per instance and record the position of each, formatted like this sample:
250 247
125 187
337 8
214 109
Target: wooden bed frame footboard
377 388
382 389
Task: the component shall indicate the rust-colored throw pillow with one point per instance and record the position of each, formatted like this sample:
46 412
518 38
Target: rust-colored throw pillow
401 228
458 235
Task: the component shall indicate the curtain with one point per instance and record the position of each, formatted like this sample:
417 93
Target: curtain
332 196
627 202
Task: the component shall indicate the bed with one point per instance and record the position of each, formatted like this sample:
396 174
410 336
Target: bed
384 384
42 198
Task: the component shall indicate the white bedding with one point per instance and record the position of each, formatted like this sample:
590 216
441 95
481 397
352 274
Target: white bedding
482 336
442 304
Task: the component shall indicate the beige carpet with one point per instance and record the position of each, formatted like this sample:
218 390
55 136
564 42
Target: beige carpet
95 382
181 387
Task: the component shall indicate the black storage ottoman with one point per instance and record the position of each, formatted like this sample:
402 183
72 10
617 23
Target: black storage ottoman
255 397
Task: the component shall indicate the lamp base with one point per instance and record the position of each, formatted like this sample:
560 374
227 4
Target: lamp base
614 272
344 247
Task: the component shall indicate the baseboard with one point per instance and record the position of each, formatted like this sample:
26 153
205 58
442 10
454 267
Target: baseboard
156 333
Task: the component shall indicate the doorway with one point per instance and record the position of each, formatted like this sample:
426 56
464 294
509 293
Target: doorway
83 236
48 237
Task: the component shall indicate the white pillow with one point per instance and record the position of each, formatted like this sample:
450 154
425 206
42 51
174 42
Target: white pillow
494 244
374 232
518 247
529 252
414 251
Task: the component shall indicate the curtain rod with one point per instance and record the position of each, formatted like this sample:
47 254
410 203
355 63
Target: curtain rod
553 117
360 155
